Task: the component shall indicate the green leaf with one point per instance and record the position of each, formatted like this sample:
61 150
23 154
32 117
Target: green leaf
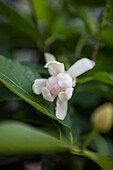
5 45
102 145
104 77
80 98
107 36
104 57
101 89
86 16
5 95
73 123
19 22
42 10
14 34
16 137
19 78
33 116
104 161
91 3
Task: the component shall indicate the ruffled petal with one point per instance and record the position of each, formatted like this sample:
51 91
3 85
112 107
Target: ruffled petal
49 57
66 95
38 85
55 67
64 80
47 95
61 109
80 67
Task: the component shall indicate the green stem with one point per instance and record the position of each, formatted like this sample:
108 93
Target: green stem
62 137
80 45
90 136
71 137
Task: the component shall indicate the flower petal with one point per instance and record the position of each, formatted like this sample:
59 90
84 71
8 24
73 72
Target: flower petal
61 109
38 85
80 67
55 67
64 80
49 57
47 95
66 95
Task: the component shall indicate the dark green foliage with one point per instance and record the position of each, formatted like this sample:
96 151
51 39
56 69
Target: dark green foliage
70 30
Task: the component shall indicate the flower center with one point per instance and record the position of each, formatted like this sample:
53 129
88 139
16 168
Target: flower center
52 85
59 83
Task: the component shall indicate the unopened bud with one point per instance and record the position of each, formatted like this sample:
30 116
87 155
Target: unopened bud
102 117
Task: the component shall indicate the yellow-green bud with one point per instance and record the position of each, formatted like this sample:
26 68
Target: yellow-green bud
102 117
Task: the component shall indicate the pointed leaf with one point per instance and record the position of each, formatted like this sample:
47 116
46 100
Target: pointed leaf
16 137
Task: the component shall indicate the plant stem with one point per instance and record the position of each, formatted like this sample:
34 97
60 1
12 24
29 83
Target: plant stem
71 137
90 136
80 45
96 46
102 24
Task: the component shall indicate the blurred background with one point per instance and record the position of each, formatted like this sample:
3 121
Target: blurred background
70 30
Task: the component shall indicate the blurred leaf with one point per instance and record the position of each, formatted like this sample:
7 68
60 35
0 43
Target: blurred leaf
104 77
101 89
47 162
104 161
5 95
91 3
19 138
107 35
104 61
102 145
19 22
30 115
8 159
73 122
86 15
18 38
41 9
62 30
81 96
5 45
16 137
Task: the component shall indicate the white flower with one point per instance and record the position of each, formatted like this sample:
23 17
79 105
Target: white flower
61 82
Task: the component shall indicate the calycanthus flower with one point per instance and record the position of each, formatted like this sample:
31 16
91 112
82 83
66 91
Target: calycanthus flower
61 82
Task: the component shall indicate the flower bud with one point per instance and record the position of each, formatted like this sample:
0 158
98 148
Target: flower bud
102 117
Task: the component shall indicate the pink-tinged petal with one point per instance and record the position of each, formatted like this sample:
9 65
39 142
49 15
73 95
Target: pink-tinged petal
47 95
61 109
55 67
50 82
64 80
66 95
80 67
49 57
38 85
